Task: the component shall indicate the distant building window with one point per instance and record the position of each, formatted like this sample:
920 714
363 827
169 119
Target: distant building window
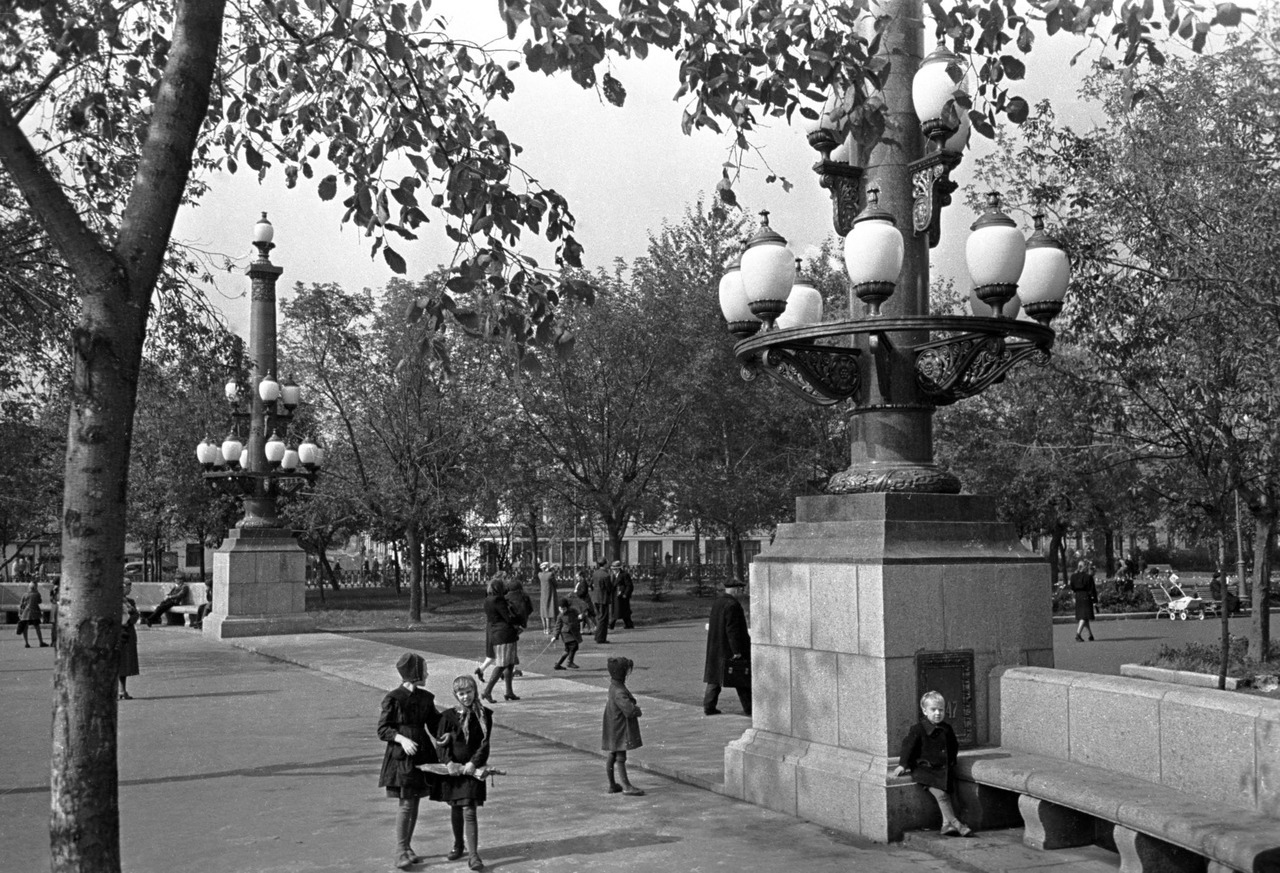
717 551
650 552
751 548
682 551
195 552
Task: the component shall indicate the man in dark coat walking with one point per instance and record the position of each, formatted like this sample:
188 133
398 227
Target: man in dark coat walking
602 596
728 643
623 586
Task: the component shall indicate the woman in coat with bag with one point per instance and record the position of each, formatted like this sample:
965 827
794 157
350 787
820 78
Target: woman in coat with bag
1086 594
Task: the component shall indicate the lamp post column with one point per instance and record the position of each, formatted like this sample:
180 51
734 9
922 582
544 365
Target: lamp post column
892 434
260 506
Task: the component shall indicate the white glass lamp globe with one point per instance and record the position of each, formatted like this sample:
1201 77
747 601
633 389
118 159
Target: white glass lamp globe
290 393
231 449
263 232
804 305
768 272
207 453
933 87
290 459
733 301
274 449
307 454
873 253
269 389
1045 275
232 390
995 253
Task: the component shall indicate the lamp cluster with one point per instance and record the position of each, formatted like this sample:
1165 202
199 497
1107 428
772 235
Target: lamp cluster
267 466
1011 275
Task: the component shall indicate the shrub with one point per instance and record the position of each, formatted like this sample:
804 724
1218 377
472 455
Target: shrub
1205 657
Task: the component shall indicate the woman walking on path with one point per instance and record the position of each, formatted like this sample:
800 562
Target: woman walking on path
29 615
547 596
503 634
407 723
1086 594
464 746
128 645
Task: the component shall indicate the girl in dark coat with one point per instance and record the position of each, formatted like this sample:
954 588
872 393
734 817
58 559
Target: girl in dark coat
928 753
497 588
503 633
408 721
621 726
464 746
128 645
1086 594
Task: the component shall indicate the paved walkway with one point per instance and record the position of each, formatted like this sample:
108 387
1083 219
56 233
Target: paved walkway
235 760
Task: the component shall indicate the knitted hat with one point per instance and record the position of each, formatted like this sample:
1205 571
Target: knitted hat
412 667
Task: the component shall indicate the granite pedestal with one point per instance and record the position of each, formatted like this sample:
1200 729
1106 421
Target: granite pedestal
842 604
259 585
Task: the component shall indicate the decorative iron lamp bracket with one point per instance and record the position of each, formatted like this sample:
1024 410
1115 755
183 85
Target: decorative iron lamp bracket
843 180
931 188
950 368
245 481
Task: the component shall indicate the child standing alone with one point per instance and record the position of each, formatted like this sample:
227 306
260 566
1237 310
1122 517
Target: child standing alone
929 754
569 628
621 726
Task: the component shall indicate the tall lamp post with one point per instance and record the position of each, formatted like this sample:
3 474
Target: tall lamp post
259 582
891 583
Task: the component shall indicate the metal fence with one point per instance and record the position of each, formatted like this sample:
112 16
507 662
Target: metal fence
651 580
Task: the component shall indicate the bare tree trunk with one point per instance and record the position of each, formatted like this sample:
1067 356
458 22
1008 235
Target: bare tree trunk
1260 622
414 555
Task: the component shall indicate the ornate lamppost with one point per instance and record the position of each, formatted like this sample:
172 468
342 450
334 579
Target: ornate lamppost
259 571
891 583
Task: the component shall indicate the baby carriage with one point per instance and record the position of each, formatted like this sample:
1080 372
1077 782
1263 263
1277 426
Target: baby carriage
1177 604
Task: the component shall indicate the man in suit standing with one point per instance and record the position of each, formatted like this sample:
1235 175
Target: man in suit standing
728 644
623 586
602 597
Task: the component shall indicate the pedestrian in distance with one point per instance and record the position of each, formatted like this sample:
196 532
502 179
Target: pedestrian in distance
928 753
176 594
1085 591
547 596
497 588
29 615
127 647
728 663
582 590
569 629
54 591
602 599
623 586
504 635
521 608
408 722
464 746
621 731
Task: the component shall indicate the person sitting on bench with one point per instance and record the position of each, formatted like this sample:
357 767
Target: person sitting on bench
176 595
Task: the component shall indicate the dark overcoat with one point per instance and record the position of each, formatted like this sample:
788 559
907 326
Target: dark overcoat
727 637
128 664
621 720
1085 591
929 751
411 714
461 746
499 622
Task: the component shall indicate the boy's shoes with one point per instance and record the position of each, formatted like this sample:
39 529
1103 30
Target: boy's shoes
710 712
404 861
44 645
559 666
456 854
632 791
475 863
572 666
615 788
417 859
950 830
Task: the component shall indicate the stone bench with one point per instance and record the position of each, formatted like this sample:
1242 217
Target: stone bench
183 613
1152 827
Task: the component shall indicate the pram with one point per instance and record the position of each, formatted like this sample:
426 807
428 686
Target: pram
1172 601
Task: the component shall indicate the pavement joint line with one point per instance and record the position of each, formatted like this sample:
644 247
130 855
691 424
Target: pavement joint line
282 648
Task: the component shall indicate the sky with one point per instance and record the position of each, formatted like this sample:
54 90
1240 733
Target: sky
623 170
